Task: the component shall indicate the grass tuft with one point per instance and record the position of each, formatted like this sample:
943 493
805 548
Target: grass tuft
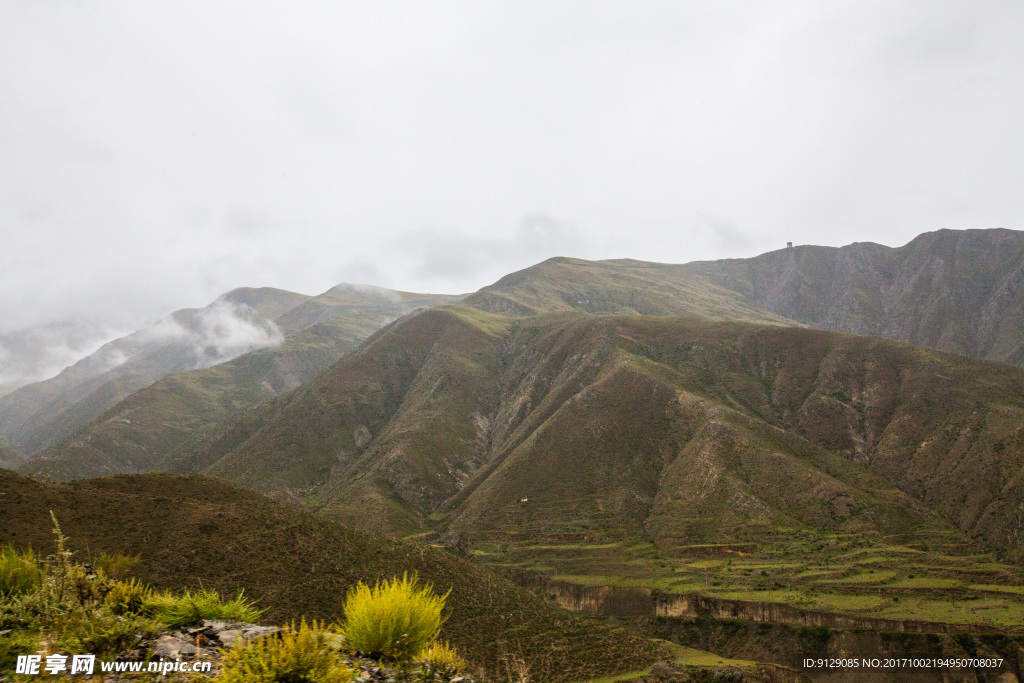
442 658
115 565
189 607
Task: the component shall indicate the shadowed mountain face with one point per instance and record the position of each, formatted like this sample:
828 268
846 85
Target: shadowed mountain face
136 433
682 431
195 531
959 291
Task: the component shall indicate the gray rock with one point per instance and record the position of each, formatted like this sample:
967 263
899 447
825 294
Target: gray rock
173 647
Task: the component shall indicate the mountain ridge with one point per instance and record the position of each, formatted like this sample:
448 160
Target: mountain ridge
440 405
146 425
958 291
31 417
385 444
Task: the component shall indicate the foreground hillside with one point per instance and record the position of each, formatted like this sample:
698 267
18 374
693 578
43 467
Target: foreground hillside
191 530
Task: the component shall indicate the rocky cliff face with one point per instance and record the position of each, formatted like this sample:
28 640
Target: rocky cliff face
958 291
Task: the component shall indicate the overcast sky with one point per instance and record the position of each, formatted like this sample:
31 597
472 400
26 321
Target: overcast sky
155 154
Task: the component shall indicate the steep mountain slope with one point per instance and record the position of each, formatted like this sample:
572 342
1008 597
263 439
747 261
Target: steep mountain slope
137 433
10 458
192 531
43 413
679 431
621 287
959 291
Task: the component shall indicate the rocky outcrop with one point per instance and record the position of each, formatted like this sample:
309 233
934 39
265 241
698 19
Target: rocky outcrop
208 640
203 642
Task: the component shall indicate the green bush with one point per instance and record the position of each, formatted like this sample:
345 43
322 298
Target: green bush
396 619
19 572
303 655
189 608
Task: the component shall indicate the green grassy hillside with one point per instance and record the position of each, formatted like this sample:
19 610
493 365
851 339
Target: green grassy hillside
192 531
954 290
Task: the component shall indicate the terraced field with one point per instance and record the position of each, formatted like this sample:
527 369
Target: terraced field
859 575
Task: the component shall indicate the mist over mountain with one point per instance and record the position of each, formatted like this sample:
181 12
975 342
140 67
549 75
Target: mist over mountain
147 425
44 412
238 322
38 353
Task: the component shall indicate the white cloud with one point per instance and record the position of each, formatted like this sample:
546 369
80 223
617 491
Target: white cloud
157 154
42 352
215 334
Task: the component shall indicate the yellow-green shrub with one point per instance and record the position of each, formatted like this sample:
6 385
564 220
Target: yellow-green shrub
115 565
19 572
442 658
303 655
14 644
396 618
128 597
102 633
